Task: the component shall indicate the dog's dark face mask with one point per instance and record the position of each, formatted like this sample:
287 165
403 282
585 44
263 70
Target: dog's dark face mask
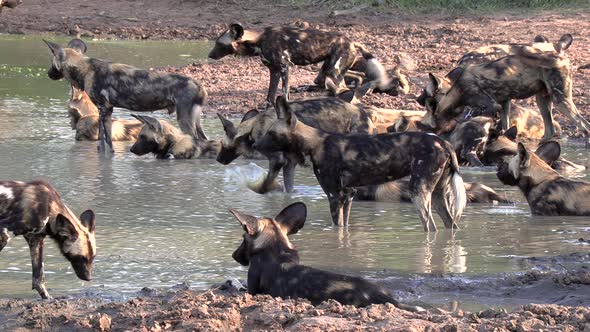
55 74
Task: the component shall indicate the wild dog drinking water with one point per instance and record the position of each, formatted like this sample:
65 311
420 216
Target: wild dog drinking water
274 269
281 47
118 85
342 162
327 113
546 191
165 141
35 210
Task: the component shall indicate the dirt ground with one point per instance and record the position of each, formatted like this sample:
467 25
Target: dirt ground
430 43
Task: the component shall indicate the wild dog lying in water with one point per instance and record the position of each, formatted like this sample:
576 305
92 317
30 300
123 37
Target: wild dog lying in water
274 267
165 141
35 210
281 47
494 84
9 4
399 191
528 122
491 52
342 162
84 119
327 113
547 192
503 146
117 85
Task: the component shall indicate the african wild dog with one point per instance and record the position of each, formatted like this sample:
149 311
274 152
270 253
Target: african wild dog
117 85
547 192
35 210
167 142
529 122
399 191
281 47
274 269
327 113
493 52
503 146
492 85
342 162
9 4
84 119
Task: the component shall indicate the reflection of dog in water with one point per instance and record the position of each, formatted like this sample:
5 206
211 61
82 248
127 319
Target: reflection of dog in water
445 256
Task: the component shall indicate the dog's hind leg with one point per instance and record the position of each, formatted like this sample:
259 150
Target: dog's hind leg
35 242
4 238
336 208
441 203
421 191
348 197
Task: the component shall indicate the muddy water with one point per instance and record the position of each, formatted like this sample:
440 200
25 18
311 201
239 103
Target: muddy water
161 223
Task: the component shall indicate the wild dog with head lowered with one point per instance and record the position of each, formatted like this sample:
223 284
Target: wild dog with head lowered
117 85
35 210
274 269
342 162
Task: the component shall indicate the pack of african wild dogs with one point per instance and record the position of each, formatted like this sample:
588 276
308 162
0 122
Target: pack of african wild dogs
357 151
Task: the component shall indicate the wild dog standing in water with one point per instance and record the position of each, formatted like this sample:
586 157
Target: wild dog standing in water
326 113
9 4
281 47
399 191
117 85
494 84
84 119
35 210
547 192
166 141
274 267
342 162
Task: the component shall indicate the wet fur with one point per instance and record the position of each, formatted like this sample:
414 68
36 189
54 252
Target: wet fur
35 210
274 269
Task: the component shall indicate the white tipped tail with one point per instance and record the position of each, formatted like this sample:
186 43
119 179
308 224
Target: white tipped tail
459 194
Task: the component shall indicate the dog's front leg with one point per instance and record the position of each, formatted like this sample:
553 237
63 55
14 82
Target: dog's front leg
336 208
275 162
505 115
285 79
35 242
108 128
546 109
105 144
4 238
348 196
275 77
289 174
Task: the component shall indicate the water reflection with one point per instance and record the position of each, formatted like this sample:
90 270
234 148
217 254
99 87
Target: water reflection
441 252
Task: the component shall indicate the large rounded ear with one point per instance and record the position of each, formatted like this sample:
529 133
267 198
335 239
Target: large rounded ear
65 228
56 50
250 223
249 115
228 126
292 218
433 84
511 133
564 42
540 39
78 45
523 156
88 219
153 123
549 152
236 30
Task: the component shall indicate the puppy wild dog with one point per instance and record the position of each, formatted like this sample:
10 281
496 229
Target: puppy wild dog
342 162
35 210
327 113
281 47
399 191
274 269
117 85
547 192
84 119
166 142
493 85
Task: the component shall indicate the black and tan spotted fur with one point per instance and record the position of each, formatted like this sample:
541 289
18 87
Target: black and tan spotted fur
35 210
282 47
327 113
274 269
166 141
118 85
342 162
547 192
492 85
399 191
84 120
9 4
